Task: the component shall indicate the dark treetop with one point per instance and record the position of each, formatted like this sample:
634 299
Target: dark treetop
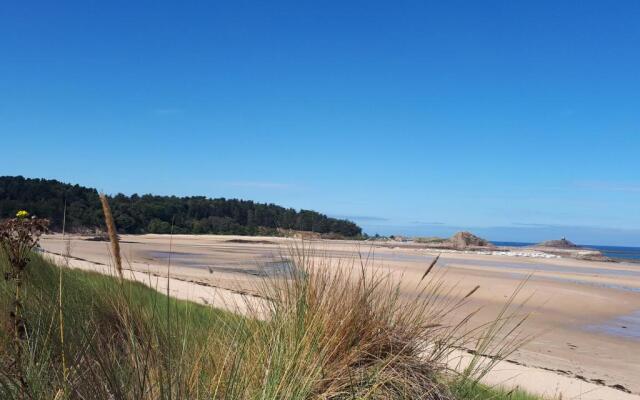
154 214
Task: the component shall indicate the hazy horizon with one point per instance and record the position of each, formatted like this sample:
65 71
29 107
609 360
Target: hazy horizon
581 235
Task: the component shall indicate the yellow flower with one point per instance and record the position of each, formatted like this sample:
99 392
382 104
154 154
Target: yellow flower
22 214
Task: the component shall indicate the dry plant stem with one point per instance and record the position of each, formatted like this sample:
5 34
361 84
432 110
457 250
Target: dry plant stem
169 300
60 313
113 235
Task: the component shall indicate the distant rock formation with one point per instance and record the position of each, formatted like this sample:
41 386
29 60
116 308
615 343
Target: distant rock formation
566 248
459 241
464 240
559 244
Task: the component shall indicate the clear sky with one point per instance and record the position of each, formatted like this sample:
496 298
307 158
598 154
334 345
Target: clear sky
518 120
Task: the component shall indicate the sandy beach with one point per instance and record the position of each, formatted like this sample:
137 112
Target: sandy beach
585 314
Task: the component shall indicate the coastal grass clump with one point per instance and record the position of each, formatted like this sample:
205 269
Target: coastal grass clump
364 338
476 391
329 329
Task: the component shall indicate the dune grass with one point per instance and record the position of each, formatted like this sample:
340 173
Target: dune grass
345 334
475 391
116 337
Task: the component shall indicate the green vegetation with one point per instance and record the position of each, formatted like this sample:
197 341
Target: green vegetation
116 336
430 239
471 390
156 214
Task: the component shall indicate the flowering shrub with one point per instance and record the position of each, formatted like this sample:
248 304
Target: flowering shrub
18 237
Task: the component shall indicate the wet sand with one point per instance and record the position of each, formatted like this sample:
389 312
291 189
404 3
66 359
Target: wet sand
585 313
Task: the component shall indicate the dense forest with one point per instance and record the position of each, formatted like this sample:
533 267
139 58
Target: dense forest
156 214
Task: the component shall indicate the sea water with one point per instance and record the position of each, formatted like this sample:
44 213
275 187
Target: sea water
615 252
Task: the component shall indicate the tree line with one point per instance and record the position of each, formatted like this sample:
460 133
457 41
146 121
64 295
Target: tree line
159 214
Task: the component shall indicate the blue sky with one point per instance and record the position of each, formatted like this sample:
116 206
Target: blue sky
519 120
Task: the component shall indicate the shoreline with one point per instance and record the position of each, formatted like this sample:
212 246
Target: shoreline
509 249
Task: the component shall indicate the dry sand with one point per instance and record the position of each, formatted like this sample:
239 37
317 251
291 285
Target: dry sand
585 313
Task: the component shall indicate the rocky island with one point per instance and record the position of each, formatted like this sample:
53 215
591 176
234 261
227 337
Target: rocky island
467 241
565 248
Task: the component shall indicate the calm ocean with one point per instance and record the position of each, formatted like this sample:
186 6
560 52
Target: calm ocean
617 252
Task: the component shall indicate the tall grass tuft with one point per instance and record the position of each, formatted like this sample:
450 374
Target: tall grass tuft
342 329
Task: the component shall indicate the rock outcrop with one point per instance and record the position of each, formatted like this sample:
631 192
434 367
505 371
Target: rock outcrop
459 241
465 240
559 244
566 248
